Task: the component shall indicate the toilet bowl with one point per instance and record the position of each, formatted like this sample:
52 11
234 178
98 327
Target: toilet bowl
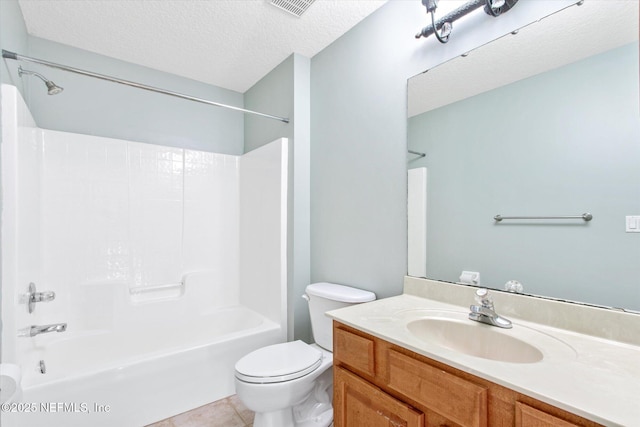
291 384
287 384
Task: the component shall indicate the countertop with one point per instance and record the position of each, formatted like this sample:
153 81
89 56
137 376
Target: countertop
594 377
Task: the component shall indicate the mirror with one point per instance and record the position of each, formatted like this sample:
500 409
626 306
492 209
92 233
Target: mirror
545 122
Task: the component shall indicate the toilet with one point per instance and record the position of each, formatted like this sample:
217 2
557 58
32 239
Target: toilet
291 384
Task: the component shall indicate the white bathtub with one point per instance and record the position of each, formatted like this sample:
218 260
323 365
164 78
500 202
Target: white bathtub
92 382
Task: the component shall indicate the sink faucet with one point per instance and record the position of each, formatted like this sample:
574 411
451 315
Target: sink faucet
34 330
485 313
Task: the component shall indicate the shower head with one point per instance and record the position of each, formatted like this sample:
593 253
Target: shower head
52 88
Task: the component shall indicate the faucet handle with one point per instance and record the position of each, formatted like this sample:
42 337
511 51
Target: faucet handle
43 296
32 297
484 298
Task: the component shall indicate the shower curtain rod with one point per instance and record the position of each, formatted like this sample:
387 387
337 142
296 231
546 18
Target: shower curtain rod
12 55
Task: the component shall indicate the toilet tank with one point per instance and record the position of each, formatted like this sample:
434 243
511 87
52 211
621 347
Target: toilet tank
325 297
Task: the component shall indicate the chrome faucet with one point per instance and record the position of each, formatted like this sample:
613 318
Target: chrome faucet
34 330
485 312
33 297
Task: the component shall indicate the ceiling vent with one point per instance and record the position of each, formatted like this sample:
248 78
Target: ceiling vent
294 7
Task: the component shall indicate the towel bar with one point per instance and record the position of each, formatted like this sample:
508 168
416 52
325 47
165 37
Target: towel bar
585 216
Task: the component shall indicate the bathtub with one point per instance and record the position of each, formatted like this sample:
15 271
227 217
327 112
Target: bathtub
93 379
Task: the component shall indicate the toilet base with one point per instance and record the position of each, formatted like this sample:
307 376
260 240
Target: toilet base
315 411
282 418
323 419
285 418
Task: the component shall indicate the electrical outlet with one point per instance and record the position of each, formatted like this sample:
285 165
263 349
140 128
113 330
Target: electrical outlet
632 224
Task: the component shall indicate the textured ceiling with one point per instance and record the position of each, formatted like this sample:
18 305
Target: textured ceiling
562 38
227 43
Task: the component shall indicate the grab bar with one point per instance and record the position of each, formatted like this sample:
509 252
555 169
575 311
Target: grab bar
585 216
143 289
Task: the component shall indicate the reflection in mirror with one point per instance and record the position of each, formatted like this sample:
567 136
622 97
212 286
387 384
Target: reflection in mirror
545 122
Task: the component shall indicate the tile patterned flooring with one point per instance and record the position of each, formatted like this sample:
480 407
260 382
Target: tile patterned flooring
229 412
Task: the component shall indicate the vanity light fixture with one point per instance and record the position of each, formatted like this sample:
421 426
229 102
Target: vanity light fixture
442 27
494 7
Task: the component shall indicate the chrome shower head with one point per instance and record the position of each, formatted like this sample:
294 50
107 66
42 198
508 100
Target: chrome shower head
52 88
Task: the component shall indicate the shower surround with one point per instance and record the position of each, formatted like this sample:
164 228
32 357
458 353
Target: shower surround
168 265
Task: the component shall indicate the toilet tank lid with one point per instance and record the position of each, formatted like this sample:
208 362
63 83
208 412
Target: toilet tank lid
340 293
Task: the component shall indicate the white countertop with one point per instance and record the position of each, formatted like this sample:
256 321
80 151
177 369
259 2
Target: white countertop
596 378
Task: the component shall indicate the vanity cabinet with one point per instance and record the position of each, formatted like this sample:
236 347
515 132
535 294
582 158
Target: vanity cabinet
377 383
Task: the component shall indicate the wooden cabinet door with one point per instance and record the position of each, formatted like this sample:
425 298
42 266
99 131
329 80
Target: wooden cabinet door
453 398
526 416
355 351
357 403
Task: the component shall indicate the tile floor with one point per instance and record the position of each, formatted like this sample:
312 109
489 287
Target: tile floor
229 412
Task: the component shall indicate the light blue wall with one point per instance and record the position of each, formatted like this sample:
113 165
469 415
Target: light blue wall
560 143
274 93
98 107
13 37
285 91
358 137
358 180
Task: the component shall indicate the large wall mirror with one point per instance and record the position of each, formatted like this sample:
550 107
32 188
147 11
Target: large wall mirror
543 122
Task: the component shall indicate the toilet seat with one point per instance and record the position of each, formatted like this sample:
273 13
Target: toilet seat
278 363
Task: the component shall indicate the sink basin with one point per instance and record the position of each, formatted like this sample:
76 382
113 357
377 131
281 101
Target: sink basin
457 333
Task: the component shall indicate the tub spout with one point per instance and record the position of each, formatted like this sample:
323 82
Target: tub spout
34 330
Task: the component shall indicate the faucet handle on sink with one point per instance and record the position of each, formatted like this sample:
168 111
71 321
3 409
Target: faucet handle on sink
484 298
485 313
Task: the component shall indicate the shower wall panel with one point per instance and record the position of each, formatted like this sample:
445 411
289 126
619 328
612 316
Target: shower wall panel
141 217
19 218
211 198
156 192
263 237
85 210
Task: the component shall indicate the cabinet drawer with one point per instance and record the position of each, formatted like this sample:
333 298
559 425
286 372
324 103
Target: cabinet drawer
353 350
526 416
357 403
454 398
